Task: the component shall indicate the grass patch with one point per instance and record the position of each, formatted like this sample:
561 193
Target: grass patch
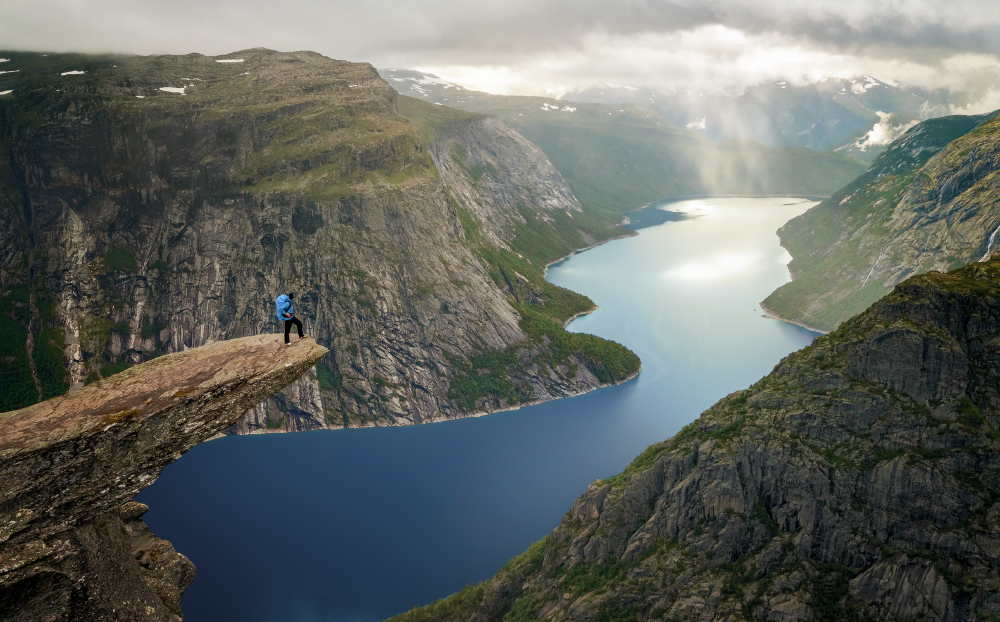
121 415
49 365
585 577
15 371
274 424
328 380
120 259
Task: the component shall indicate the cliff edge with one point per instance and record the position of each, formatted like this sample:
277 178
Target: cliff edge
72 545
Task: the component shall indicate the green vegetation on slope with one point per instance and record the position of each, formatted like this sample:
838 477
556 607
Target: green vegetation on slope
842 248
544 308
15 368
541 235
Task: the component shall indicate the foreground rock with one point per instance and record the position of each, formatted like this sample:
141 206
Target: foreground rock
72 545
860 480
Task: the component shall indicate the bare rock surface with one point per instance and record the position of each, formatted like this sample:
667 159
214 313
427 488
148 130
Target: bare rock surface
72 544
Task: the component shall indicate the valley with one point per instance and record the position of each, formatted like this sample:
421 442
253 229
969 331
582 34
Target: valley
154 206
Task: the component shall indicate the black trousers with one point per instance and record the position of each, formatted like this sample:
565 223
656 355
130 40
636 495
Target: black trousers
288 327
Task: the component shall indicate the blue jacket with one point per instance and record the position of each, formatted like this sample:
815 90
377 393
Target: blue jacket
284 305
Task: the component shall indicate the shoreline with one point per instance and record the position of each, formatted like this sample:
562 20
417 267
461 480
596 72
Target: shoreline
630 234
442 419
581 314
772 315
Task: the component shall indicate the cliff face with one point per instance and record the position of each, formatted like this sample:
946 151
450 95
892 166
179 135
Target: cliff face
72 545
144 221
931 201
859 480
479 162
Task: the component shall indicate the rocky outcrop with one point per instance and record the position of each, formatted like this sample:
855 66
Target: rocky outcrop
145 221
859 480
72 544
931 201
496 173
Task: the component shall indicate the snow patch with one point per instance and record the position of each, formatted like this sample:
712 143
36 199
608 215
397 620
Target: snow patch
883 132
72 73
621 86
698 124
11 71
6 92
858 87
4 60
547 106
428 79
140 97
173 89
229 60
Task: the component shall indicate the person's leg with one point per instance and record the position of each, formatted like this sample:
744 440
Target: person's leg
298 325
288 328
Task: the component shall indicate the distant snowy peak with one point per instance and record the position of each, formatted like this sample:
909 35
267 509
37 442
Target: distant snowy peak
417 83
624 87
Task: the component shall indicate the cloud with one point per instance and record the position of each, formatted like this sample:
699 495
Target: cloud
884 132
544 46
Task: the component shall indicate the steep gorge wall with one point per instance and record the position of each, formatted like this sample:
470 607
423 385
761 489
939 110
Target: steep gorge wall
144 222
860 480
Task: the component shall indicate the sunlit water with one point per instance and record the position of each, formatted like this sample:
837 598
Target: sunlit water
358 525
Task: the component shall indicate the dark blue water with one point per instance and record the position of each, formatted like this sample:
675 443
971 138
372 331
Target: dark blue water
358 525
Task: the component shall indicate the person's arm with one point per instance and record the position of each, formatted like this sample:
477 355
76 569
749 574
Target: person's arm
285 309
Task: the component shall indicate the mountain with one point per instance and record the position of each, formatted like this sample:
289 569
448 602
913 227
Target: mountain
857 481
155 204
73 545
823 114
618 158
931 201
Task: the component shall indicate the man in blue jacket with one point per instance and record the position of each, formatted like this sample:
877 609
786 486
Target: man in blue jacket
286 312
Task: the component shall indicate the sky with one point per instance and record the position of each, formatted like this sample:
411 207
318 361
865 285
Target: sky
550 47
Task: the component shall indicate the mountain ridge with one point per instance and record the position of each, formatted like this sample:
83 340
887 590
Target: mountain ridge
928 202
858 480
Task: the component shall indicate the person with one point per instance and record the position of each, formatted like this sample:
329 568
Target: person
286 312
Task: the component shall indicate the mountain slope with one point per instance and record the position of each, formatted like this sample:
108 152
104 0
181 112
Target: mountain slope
617 158
146 221
931 201
857 481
